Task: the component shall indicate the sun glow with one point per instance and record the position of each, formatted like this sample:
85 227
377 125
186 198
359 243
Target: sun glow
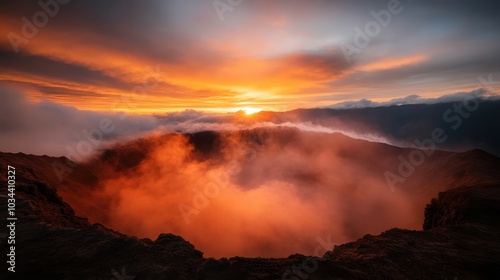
249 110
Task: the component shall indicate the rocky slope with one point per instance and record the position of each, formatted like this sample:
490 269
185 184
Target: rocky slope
462 229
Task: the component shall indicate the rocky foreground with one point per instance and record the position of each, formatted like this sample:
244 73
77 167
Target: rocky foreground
460 240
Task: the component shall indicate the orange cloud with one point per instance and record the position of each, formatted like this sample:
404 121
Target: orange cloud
393 63
277 196
191 82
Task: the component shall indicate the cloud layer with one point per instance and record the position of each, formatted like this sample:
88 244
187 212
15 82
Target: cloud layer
264 55
50 128
266 192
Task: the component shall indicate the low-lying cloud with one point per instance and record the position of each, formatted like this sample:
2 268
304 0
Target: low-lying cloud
53 129
266 192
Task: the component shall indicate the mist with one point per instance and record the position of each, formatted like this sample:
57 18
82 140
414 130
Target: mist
265 192
232 184
45 127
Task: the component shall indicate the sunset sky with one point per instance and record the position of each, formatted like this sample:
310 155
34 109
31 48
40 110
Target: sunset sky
258 55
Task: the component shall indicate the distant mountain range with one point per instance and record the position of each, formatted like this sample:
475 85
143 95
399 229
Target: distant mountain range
471 126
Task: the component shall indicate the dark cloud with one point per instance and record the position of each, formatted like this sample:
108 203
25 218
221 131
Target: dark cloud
48 69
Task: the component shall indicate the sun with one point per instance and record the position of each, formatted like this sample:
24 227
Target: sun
250 110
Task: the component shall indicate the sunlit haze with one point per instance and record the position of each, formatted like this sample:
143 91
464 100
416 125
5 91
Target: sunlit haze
163 56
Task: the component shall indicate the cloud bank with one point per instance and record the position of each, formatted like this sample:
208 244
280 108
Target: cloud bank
266 192
53 129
